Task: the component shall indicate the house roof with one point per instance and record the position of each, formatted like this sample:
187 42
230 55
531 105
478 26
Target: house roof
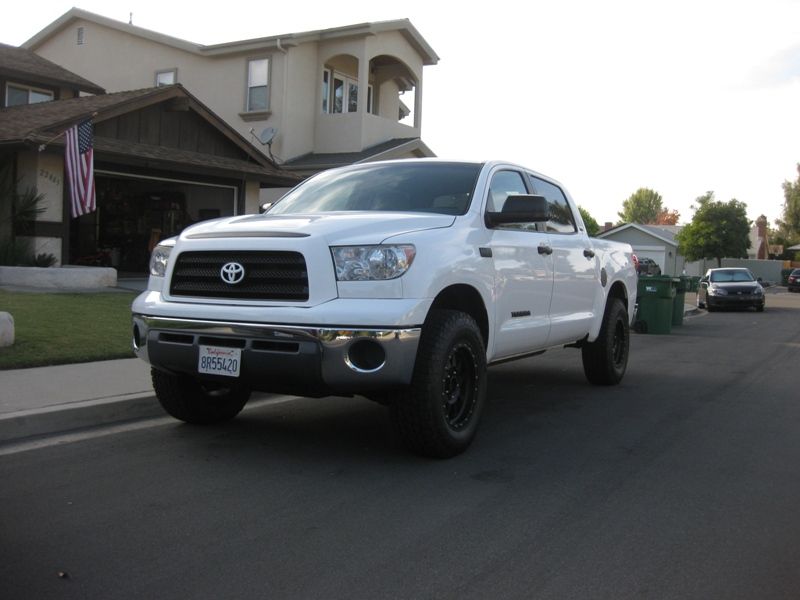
319 161
44 122
279 42
665 233
21 63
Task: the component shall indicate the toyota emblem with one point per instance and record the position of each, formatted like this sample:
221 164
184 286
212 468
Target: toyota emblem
232 273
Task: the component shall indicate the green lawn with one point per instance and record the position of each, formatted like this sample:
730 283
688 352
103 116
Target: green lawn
54 328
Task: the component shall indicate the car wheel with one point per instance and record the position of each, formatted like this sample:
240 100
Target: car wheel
438 414
197 402
605 359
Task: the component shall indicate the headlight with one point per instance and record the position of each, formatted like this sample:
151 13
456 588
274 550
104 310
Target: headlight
159 259
717 291
370 263
758 291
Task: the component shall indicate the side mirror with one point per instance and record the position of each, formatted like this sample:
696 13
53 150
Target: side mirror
520 208
265 207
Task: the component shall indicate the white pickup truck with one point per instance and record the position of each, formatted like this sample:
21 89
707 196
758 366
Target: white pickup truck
399 281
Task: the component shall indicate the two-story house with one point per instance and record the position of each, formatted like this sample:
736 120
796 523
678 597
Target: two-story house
311 100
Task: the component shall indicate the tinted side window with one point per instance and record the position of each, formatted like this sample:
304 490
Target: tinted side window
503 185
561 218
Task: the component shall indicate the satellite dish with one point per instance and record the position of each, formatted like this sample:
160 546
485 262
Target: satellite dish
266 136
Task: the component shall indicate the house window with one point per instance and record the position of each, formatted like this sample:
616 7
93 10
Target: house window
81 36
352 96
17 95
342 96
257 77
166 77
326 90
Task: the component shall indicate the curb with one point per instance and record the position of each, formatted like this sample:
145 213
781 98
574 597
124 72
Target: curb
67 417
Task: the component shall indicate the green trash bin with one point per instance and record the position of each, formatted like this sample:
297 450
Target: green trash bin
682 285
655 298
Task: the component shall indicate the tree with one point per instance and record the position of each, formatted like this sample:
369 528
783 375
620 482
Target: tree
789 224
667 217
592 227
643 206
718 229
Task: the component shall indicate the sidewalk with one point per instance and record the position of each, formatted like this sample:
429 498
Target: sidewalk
58 399
61 398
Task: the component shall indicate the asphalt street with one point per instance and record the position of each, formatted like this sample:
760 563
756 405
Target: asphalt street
682 482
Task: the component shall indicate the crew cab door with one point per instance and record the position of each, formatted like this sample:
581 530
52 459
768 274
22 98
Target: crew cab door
575 267
523 271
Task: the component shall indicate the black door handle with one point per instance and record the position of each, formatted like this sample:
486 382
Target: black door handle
588 253
545 250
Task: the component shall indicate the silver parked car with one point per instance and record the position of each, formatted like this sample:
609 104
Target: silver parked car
730 287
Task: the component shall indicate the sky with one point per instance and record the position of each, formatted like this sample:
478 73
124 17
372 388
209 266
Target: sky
681 97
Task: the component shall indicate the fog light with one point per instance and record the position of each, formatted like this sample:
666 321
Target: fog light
366 356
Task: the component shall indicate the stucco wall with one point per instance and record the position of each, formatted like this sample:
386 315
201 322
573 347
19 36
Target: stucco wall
45 171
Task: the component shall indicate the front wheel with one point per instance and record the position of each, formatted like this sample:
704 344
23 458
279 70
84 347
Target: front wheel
438 414
605 359
197 402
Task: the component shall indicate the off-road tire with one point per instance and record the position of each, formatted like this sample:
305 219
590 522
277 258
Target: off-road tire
196 402
605 359
437 416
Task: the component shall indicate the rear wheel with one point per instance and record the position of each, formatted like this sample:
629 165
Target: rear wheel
605 359
438 414
197 402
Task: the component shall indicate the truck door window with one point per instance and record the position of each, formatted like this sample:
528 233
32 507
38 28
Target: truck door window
561 218
503 185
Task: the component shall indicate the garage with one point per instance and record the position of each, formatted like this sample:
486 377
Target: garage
134 213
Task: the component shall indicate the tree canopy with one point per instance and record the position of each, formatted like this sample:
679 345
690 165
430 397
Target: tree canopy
718 230
789 223
592 227
643 206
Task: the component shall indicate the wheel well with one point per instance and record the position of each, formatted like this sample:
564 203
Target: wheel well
466 299
618 291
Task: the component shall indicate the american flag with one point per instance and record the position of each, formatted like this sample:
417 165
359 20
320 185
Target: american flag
80 168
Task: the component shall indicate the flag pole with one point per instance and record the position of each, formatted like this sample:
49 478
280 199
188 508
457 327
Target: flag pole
62 134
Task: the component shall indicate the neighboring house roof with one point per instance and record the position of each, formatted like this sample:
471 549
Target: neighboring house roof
665 233
384 150
44 122
21 63
279 42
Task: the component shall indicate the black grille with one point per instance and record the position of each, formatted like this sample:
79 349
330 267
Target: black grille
267 275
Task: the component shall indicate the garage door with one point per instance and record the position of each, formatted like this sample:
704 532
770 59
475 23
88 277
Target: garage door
657 253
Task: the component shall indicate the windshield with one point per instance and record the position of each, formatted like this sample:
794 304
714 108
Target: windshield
728 276
418 187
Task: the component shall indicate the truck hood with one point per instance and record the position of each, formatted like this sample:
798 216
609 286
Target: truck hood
335 228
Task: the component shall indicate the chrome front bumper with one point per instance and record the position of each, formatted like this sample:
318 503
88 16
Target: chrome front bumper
285 358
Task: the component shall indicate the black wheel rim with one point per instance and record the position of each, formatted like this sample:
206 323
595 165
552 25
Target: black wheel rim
618 347
459 387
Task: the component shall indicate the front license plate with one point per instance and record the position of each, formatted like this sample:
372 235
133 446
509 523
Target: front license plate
216 360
